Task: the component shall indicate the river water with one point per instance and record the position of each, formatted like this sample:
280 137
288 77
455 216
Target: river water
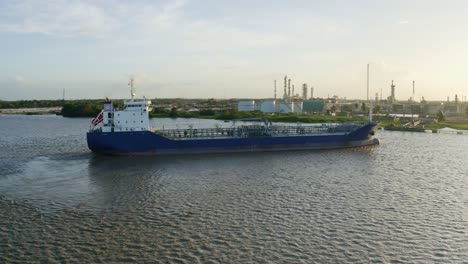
405 201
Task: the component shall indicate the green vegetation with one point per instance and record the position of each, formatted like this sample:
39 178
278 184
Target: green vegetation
173 113
289 117
440 116
234 114
363 107
80 109
85 108
90 108
299 118
451 124
30 104
388 121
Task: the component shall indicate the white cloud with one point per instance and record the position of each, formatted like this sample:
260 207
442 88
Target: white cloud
71 18
197 49
224 37
55 17
155 18
170 13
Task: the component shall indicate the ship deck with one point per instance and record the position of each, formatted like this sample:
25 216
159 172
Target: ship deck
249 131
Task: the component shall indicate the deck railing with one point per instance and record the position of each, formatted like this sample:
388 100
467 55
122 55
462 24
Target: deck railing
257 131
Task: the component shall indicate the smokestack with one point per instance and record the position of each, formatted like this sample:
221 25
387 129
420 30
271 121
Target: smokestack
311 92
285 95
304 91
293 91
368 81
275 90
289 87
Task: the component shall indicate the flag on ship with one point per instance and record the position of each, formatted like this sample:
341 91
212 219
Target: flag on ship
98 119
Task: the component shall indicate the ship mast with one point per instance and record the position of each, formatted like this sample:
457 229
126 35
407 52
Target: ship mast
132 88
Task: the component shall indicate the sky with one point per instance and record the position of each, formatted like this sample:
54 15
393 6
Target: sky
232 49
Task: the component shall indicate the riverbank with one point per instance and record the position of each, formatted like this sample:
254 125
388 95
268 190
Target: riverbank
32 111
86 108
284 118
433 125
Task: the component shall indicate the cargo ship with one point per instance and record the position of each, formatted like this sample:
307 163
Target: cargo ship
127 131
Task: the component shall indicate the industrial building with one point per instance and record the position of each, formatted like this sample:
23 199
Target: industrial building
300 103
289 103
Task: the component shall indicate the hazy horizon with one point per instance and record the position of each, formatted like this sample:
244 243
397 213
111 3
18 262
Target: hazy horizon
212 49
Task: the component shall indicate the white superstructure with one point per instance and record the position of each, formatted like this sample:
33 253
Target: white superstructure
133 117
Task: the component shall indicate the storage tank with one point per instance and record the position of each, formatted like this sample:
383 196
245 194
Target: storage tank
286 107
298 107
246 106
268 106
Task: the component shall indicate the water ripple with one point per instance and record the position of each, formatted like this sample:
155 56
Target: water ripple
389 204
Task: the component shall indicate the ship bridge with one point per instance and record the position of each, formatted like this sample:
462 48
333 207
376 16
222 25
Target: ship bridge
133 117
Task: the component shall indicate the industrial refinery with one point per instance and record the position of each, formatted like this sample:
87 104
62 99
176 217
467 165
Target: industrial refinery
304 102
290 102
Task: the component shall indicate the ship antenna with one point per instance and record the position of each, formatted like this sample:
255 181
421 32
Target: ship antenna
132 87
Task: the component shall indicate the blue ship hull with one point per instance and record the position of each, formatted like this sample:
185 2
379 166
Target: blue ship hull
149 143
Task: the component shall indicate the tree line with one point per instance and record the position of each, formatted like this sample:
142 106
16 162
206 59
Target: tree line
30 104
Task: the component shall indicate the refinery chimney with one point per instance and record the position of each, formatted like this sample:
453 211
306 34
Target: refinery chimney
311 92
289 88
392 97
368 82
275 90
285 95
304 91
